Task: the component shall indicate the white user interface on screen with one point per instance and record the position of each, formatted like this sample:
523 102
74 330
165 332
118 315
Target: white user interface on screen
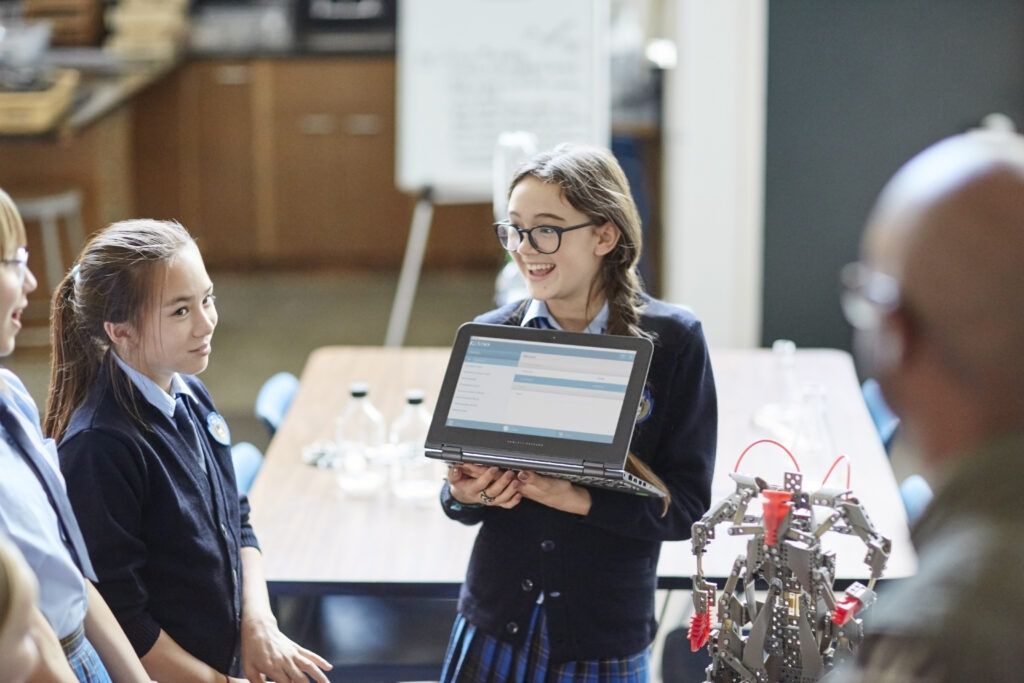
556 390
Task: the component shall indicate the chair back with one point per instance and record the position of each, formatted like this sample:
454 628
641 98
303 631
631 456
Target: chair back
885 420
247 459
274 399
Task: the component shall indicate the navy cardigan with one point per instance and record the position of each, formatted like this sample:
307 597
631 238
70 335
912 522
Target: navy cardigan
598 572
164 536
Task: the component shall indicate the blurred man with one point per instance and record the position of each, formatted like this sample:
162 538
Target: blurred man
937 304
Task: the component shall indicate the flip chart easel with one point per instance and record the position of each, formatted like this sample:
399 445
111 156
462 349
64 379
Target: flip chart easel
469 70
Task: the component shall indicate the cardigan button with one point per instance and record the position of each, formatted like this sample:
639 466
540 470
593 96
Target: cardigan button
555 594
547 546
527 585
512 627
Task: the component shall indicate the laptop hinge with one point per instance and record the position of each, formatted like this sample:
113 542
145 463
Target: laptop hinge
451 452
593 469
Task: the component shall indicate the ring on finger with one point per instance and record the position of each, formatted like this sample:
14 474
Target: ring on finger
485 498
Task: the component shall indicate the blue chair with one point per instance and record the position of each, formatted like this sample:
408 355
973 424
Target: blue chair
274 398
247 460
885 420
914 490
916 494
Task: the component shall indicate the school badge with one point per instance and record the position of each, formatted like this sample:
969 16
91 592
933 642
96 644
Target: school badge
643 410
218 428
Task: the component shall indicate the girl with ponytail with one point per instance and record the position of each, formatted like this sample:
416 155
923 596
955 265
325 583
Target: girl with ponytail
147 461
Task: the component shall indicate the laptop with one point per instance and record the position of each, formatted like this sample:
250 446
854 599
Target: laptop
562 404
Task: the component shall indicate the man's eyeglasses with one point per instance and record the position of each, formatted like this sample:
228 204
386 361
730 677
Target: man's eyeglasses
20 260
544 238
867 295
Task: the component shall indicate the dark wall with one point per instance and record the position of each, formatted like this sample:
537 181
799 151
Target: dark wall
855 88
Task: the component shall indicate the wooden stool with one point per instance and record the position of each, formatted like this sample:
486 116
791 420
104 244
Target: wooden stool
48 209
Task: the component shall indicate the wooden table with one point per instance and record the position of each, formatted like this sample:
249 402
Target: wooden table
318 541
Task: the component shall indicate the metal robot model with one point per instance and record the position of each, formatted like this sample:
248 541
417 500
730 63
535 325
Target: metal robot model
801 629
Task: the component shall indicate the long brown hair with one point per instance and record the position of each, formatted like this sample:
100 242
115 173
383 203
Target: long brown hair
114 280
592 181
594 184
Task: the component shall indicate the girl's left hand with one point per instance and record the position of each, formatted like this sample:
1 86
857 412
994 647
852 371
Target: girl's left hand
554 492
268 652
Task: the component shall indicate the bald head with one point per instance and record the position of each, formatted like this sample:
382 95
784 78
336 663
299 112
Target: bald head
949 227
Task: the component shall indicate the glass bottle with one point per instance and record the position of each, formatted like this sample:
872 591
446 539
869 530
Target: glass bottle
813 444
414 476
781 415
360 433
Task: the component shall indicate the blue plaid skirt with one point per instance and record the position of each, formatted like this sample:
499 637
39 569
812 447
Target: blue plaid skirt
478 657
82 657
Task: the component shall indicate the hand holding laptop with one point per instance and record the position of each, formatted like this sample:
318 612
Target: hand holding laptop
506 488
482 485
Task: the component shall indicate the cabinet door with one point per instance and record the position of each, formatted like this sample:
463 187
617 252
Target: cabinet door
194 150
332 126
219 178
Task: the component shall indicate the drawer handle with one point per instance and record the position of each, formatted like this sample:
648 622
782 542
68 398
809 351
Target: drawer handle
231 74
363 124
318 124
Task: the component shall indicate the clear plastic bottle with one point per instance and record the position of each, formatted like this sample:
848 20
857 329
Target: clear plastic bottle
360 433
414 476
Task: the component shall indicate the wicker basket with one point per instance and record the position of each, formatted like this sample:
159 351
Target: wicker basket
37 111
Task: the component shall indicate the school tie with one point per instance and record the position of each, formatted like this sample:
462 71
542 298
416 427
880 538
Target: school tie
70 533
540 323
187 427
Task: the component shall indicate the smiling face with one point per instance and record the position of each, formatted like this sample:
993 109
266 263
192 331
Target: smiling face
15 284
565 279
178 325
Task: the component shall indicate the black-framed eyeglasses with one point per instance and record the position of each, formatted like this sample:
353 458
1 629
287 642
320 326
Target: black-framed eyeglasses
867 295
20 260
544 238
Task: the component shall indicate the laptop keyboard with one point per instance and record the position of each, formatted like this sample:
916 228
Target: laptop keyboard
586 480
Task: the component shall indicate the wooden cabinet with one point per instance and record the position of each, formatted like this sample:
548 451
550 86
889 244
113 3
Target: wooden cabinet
195 160
332 131
290 162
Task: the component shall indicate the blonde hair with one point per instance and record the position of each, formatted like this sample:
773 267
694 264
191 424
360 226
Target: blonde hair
12 229
113 280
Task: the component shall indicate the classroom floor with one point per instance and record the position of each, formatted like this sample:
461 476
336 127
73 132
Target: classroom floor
271 321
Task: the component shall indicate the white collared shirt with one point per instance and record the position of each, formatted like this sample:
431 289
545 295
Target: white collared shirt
156 396
29 520
538 309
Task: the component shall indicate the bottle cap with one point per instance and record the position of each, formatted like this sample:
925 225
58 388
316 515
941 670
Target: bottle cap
358 389
414 396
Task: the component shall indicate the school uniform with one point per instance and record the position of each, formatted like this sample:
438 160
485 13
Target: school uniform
588 581
160 512
36 516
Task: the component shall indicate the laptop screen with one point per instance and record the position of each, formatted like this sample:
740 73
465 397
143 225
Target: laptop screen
562 391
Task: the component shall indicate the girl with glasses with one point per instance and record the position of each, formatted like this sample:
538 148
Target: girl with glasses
148 461
560 585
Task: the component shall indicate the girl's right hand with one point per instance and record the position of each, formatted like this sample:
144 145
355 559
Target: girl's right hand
478 484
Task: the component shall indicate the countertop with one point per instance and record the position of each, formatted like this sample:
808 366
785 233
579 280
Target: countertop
107 81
